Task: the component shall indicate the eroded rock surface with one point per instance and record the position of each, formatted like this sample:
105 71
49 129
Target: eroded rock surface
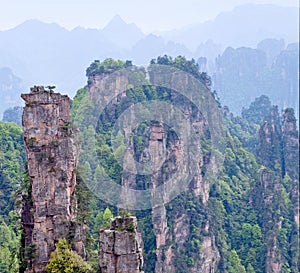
158 145
120 247
52 153
291 156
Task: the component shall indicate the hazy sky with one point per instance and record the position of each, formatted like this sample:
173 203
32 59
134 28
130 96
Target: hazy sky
149 15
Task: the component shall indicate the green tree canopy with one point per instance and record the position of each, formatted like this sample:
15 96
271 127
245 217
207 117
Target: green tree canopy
64 260
109 65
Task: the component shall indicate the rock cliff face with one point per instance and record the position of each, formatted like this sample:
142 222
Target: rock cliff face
163 148
269 151
271 195
51 152
121 247
237 210
278 152
291 155
270 188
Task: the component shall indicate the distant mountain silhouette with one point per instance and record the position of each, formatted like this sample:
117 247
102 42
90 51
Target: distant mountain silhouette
10 89
243 74
122 34
43 53
245 25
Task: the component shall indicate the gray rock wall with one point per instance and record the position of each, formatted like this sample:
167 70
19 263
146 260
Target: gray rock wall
121 247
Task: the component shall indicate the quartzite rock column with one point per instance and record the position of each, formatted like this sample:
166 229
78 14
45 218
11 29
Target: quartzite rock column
52 155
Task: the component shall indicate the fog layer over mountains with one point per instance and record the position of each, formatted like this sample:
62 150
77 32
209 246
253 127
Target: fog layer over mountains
41 53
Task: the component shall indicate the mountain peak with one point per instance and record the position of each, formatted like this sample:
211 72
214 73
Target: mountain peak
119 32
116 21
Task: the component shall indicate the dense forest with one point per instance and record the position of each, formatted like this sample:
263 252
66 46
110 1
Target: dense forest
242 218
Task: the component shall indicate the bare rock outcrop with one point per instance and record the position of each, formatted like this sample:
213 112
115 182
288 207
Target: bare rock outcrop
52 154
120 247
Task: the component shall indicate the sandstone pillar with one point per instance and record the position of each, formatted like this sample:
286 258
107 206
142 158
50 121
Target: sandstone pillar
52 154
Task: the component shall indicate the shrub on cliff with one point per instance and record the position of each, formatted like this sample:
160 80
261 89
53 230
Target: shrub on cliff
64 260
109 65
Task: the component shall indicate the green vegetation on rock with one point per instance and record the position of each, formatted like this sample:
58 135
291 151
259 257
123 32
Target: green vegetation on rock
63 259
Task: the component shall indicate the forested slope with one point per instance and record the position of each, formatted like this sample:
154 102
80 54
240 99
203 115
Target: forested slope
238 213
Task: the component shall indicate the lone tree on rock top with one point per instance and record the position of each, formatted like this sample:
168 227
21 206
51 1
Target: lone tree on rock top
51 87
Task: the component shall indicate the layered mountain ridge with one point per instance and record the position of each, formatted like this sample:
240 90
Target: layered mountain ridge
33 45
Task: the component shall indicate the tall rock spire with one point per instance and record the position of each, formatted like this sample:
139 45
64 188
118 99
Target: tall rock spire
52 155
291 155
